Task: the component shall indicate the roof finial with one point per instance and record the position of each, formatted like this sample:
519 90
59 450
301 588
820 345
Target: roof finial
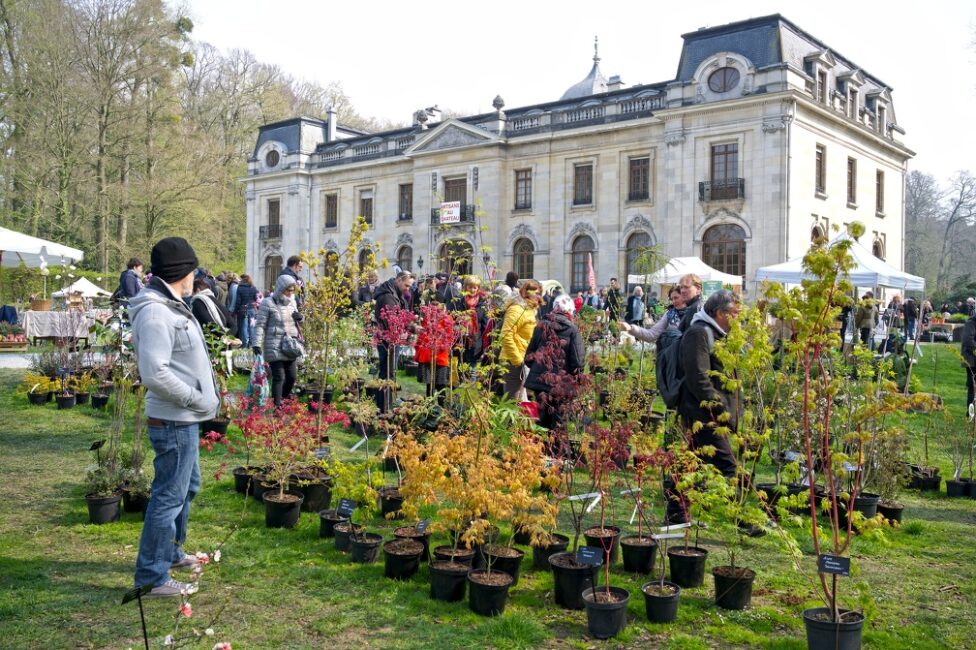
596 50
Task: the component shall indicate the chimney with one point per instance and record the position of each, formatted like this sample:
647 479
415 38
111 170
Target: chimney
330 134
615 83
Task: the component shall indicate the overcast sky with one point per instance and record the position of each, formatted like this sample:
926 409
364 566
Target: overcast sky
393 57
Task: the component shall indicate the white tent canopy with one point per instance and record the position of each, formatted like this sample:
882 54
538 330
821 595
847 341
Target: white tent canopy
671 272
17 247
868 271
87 288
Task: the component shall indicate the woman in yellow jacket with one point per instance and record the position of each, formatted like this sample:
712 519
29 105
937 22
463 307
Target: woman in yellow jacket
517 332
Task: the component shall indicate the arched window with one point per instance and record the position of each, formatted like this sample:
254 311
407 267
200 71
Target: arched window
272 269
724 248
330 265
455 257
583 247
817 234
523 258
366 259
405 258
636 244
877 249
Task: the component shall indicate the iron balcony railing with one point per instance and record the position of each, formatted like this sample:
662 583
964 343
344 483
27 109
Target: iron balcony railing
271 232
467 215
722 189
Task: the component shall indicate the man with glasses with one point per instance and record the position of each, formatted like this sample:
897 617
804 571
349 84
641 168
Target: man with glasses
690 286
703 398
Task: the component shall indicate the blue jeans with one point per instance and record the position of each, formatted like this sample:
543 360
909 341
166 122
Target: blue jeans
177 481
245 331
910 328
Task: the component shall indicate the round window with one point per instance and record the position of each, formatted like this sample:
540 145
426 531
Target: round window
723 80
272 158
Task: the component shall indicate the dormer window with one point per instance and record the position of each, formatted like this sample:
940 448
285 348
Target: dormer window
882 119
723 80
272 158
852 96
822 86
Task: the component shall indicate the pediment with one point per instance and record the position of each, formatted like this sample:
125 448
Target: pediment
452 134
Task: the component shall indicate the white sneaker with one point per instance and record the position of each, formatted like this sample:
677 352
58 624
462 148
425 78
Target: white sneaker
172 588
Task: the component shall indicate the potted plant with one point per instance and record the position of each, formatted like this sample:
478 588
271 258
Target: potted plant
136 482
606 606
834 445
661 597
218 345
38 388
287 437
83 384
355 483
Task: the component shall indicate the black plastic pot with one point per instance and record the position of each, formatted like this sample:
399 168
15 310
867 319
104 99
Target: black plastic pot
282 514
661 608
970 488
401 558
570 580
499 559
638 558
327 521
410 532
134 501
259 486
823 634
484 598
81 398
99 401
891 511
605 620
65 401
540 554
957 488
242 479
733 591
865 503
218 425
391 501
342 532
448 581
103 510
522 537
687 570
317 493
38 398
364 548
460 555
593 538
773 492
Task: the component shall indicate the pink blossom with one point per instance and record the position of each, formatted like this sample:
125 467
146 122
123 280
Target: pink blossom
202 558
223 645
186 610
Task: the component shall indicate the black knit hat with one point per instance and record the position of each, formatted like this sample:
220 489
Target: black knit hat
173 259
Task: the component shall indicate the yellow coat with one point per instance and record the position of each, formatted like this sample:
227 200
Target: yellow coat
517 332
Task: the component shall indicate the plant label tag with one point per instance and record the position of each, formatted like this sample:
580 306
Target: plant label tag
593 503
584 497
421 526
63 372
322 452
668 536
834 564
792 456
624 493
668 529
851 468
358 444
96 445
590 555
346 506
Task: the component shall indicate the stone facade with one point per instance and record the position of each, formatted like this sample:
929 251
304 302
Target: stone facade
732 141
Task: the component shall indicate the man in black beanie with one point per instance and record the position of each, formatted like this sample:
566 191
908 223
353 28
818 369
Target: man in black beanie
180 393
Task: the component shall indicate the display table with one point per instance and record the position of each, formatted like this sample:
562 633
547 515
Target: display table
56 324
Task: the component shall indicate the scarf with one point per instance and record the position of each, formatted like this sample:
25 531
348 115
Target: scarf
207 297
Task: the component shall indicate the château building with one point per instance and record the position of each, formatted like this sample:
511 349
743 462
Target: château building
765 138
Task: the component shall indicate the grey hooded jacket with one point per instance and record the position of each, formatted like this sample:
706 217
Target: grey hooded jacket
172 357
275 319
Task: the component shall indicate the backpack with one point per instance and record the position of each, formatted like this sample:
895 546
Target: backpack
670 375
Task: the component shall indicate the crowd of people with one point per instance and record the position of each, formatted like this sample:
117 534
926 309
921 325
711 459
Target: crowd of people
540 350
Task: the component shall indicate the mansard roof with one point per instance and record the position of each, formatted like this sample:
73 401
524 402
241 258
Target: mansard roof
766 41
593 84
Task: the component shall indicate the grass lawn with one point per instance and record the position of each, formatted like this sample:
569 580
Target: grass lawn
62 579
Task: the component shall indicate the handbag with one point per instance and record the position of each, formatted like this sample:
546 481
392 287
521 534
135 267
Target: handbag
291 347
